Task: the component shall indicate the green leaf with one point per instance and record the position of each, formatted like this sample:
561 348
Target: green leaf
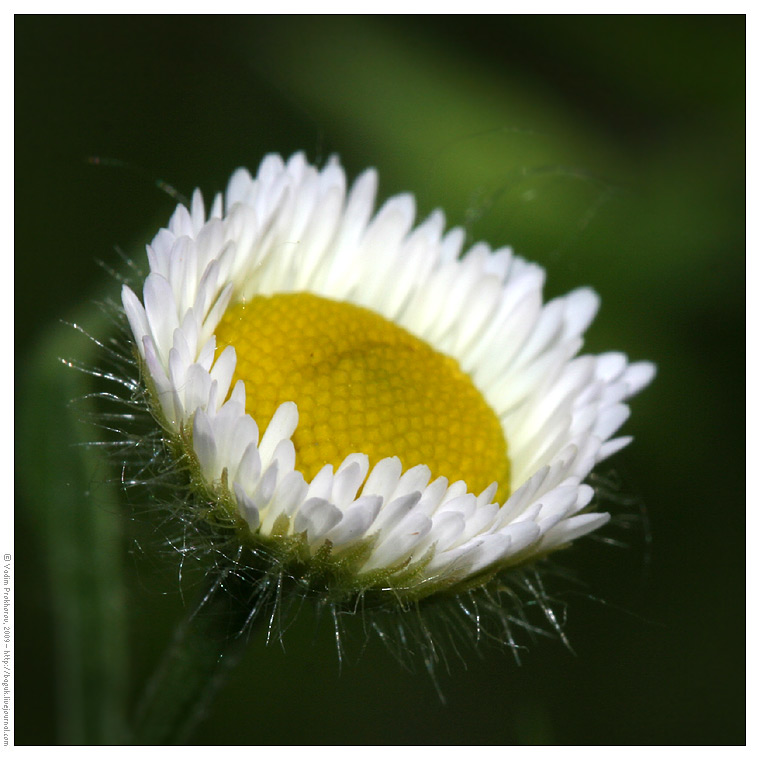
73 507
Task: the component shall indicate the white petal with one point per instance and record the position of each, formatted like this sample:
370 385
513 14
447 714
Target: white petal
316 517
282 425
383 479
356 520
573 528
398 544
138 322
247 508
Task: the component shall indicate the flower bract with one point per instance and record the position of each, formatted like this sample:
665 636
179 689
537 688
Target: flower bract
365 397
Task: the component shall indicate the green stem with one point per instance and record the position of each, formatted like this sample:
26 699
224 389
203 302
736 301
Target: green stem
205 648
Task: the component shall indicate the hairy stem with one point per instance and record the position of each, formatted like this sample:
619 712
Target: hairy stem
205 648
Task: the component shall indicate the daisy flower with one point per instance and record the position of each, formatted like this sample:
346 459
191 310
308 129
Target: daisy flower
364 401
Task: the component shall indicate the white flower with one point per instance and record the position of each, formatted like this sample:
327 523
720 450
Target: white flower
292 274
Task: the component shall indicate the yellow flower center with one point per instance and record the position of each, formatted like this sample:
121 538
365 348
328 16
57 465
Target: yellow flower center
362 384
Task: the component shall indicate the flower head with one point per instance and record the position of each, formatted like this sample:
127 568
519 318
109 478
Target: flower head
359 397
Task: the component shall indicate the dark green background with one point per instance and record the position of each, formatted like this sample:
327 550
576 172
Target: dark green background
610 150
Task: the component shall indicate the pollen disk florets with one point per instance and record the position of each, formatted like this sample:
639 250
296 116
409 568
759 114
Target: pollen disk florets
361 395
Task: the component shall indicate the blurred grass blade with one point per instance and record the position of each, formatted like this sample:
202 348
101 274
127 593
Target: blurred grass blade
73 506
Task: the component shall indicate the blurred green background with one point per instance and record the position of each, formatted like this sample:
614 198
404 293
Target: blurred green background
609 149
